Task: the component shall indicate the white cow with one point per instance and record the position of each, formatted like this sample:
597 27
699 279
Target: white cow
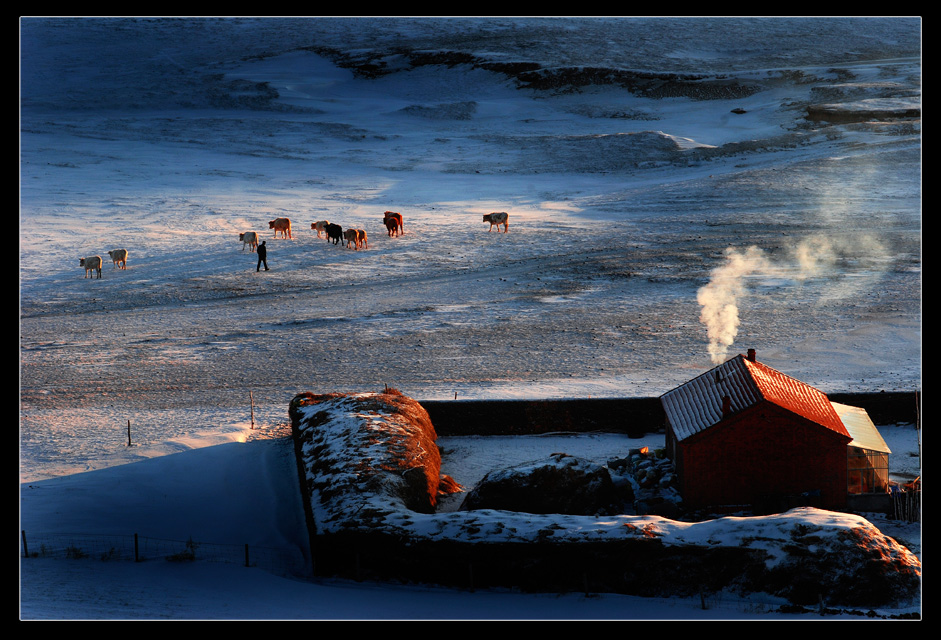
119 256
249 238
91 263
320 227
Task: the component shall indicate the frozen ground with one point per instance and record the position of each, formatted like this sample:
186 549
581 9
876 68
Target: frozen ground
168 138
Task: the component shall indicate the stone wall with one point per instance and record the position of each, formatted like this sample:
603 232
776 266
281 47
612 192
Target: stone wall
634 416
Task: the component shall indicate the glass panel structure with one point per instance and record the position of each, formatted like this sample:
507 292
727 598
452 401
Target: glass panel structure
867 471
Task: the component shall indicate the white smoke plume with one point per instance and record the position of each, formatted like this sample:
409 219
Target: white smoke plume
719 299
813 257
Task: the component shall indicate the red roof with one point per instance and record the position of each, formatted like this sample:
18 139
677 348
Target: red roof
697 404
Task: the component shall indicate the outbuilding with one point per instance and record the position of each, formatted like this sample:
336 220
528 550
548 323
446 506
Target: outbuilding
744 436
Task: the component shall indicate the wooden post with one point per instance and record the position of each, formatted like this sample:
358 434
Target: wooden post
918 428
25 549
136 550
128 433
251 398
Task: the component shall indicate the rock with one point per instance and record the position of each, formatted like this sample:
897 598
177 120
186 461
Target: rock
865 110
618 465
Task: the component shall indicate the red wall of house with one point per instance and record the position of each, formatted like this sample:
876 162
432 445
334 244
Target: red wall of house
761 456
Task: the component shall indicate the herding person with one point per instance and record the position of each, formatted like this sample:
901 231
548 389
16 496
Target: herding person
262 256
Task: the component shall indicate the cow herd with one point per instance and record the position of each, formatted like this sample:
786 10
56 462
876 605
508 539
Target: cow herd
351 238
93 264
356 238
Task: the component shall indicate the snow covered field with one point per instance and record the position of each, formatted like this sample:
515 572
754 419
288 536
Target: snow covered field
170 137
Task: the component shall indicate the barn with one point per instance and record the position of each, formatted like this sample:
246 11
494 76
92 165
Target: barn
744 436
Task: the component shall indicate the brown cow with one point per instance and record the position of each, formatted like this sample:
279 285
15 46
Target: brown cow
352 238
361 238
496 219
393 222
281 224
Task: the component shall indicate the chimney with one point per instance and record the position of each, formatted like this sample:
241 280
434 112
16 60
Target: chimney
726 406
751 355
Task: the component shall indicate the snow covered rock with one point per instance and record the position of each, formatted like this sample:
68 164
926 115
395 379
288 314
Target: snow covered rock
868 109
559 484
860 567
651 475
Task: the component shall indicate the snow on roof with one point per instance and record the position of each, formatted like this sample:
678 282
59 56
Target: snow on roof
697 405
860 427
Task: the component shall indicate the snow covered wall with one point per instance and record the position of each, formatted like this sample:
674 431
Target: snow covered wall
370 474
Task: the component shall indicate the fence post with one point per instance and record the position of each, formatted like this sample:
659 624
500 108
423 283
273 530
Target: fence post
128 433
251 398
25 548
136 549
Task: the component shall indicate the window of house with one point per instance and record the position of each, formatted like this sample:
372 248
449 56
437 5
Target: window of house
867 471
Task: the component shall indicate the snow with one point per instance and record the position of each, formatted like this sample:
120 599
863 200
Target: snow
152 135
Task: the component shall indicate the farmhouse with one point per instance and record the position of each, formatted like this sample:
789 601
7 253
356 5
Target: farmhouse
745 436
370 474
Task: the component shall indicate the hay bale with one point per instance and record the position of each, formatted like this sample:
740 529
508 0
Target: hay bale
366 453
560 484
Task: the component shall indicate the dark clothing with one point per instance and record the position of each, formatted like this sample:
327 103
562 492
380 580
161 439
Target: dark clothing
262 256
